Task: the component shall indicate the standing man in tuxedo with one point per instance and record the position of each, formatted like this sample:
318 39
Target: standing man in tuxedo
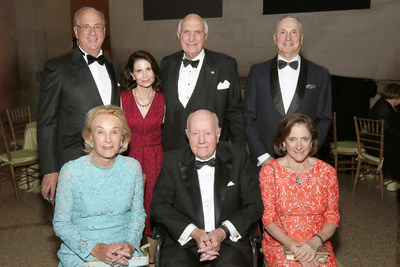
73 84
286 84
207 196
197 78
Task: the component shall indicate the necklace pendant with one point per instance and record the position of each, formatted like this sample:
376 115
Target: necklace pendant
298 181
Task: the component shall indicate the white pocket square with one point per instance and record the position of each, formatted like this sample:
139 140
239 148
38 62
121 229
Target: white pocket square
224 85
311 86
231 183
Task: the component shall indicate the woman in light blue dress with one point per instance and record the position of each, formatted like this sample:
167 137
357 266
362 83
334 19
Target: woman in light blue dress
99 203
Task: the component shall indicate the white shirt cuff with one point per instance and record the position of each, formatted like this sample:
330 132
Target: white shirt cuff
262 158
185 236
234 234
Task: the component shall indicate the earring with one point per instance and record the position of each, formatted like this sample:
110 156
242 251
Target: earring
121 144
91 144
284 148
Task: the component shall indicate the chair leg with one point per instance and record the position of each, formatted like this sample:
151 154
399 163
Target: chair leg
381 183
356 176
336 162
14 182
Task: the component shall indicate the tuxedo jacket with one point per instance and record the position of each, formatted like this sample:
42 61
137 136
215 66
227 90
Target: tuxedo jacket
68 92
177 201
217 90
263 105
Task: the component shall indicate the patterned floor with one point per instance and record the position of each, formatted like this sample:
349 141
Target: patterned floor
367 236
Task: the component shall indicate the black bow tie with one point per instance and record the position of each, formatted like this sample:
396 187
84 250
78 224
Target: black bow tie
194 63
294 64
91 59
199 164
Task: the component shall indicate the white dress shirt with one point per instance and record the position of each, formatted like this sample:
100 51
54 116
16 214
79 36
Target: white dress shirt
188 78
288 78
101 78
206 181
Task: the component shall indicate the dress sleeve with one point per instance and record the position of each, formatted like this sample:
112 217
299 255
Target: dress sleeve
62 221
267 187
136 221
331 213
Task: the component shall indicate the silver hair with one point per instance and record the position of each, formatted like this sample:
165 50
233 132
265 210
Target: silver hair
212 115
79 11
292 17
205 26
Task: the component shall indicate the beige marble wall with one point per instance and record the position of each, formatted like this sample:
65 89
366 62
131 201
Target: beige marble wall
358 43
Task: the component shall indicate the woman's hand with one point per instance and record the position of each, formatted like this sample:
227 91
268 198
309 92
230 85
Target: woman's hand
105 252
123 252
306 251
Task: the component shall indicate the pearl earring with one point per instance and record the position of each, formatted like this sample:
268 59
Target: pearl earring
121 144
91 145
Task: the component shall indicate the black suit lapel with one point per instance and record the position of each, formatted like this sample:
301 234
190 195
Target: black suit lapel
223 167
115 95
300 89
276 94
173 85
85 76
191 182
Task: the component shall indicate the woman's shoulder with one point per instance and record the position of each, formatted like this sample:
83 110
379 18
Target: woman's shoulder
75 163
324 166
128 161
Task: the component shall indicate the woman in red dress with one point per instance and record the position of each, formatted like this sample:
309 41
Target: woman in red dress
143 103
300 195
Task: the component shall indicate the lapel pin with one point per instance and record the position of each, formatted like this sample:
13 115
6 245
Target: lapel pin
212 72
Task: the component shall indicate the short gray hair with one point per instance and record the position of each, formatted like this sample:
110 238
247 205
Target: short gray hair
212 115
205 26
79 11
291 17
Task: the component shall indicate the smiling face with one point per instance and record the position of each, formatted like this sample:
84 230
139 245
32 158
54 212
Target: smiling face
192 35
143 73
90 40
288 38
203 134
298 143
106 137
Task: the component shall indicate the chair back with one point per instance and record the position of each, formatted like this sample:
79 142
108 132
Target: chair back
370 136
18 118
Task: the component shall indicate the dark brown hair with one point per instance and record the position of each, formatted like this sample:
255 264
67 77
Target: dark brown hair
285 127
129 83
391 91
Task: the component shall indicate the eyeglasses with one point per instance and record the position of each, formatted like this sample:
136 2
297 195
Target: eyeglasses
87 28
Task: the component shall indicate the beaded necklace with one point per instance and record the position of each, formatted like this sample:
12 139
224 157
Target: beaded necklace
145 105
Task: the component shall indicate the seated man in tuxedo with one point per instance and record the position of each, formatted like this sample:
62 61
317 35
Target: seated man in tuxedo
207 196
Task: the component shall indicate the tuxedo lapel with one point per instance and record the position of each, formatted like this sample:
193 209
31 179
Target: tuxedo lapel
172 86
115 96
223 167
81 69
191 181
276 94
300 89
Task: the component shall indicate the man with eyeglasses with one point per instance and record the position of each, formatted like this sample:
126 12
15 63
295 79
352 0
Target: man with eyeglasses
73 84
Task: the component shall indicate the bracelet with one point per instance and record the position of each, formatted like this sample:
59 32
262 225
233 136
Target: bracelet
322 241
226 230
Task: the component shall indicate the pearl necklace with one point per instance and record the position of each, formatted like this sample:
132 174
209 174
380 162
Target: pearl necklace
98 165
298 179
145 105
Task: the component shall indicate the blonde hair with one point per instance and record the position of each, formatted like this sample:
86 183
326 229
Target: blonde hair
109 110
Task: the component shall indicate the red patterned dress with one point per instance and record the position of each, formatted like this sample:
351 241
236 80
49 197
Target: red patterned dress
303 209
145 144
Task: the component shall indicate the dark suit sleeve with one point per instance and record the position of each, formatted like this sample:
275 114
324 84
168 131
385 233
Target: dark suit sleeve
166 205
48 114
256 146
324 110
234 112
250 196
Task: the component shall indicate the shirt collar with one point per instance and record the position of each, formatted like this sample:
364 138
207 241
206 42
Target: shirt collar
84 54
213 156
200 56
293 59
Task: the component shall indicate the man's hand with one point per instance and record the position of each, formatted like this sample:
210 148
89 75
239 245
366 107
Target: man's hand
201 238
215 239
267 161
49 184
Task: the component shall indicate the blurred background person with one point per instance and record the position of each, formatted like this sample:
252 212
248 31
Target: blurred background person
99 202
143 103
300 195
385 109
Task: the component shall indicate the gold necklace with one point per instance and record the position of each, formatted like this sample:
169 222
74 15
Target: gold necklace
298 179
